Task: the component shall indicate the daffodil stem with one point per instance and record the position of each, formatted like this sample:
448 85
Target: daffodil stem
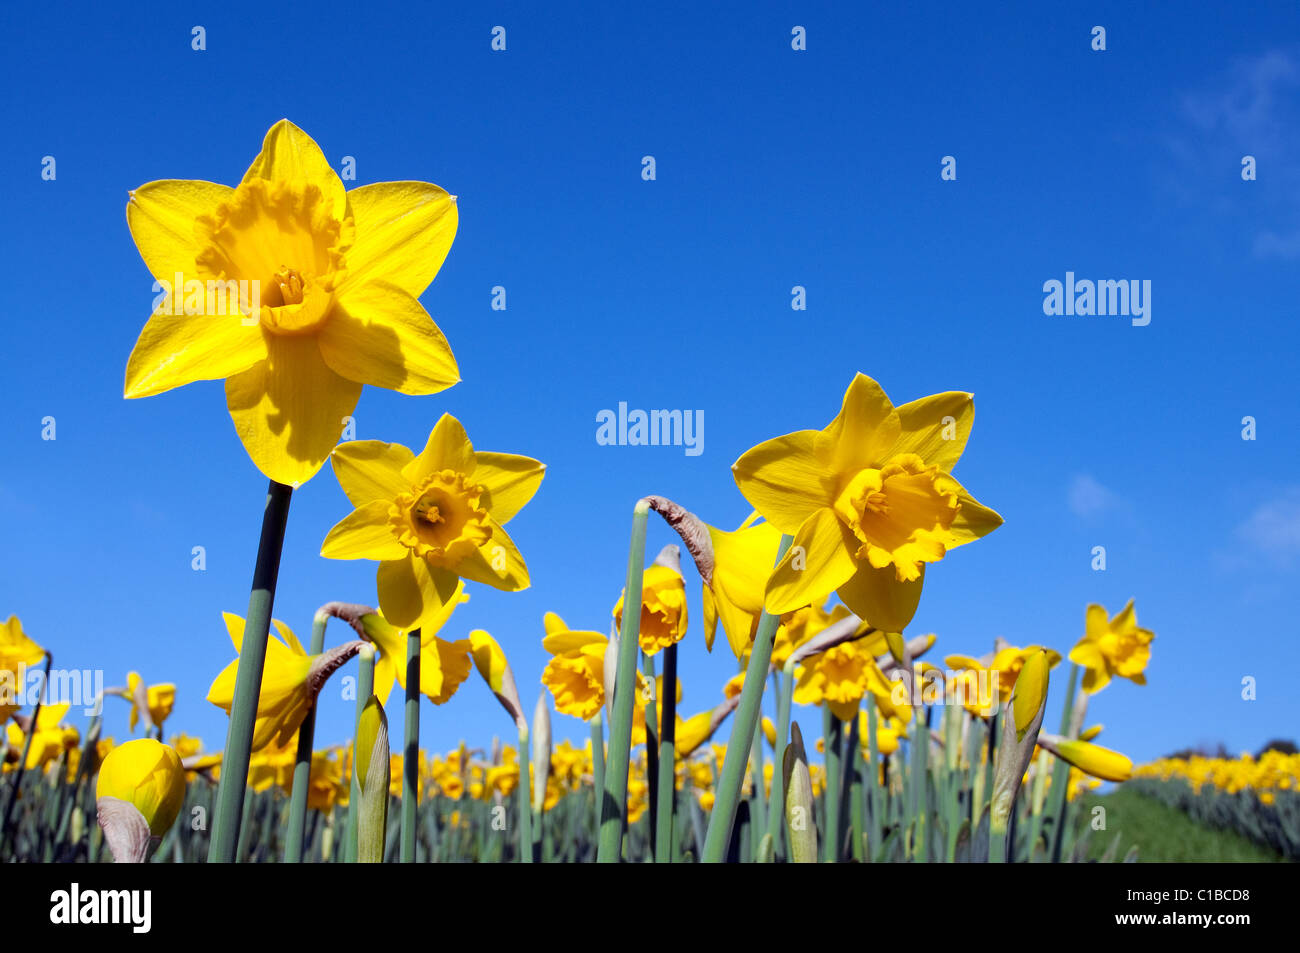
874 794
854 768
667 795
411 748
598 762
758 806
921 785
248 678
651 743
297 827
831 740
17 784
776 802
727 799
525 797
613 811
1061 772
365 687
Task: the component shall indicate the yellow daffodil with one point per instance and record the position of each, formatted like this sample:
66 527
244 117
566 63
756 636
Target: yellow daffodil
432 519
576 672
159 700
869 501
977 679
1112 647
272 765
663 608
16 650
444 665
146 774
742 561
291 680
839 676
335 277
50 738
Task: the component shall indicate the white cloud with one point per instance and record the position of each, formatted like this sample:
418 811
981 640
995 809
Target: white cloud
1273 528
1088 498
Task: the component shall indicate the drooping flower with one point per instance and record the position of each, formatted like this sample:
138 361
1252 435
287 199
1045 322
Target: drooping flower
663 604
742 562
158 699
50 737
148 775
1112 647
869 501
329 280
576 672
291 680
16 650
432 519
444 664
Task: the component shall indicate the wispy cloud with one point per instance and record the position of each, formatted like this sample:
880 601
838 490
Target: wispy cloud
1088 498
1273 527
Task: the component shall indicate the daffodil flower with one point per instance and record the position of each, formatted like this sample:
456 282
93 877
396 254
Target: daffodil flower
869 501
1112 647
16 650
663 604
290 681
50 737
839 677
155 700
432 519
576 672
139 792
337 275
977 679
444 664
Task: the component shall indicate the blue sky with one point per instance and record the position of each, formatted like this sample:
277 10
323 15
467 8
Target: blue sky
775 168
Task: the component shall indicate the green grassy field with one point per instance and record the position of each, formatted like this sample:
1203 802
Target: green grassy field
1163 834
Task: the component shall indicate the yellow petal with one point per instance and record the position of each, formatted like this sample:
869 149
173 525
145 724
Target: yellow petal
785 480
448 448
408 590
488 659
174 350
973 520
364 534
876 596
560 642
863 432
818 562
497 563
510 480
379 334
404 231
290 155
289 409
289 638
371 470
925 432
161 218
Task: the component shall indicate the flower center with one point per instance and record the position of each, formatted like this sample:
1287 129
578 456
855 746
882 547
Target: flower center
900 514
283 238
441 519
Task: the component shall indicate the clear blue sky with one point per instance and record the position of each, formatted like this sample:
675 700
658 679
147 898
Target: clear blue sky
775 168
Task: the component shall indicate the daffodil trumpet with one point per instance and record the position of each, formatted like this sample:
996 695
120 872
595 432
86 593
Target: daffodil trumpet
248 679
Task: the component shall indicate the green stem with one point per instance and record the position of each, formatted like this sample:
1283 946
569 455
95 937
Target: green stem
667 794
854 768
597 762
411 747
365 687
17 784
525 797
921 786
293 846
1061 773
613 812
776 803
651 746
248 678
874 794
727 799
832 738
